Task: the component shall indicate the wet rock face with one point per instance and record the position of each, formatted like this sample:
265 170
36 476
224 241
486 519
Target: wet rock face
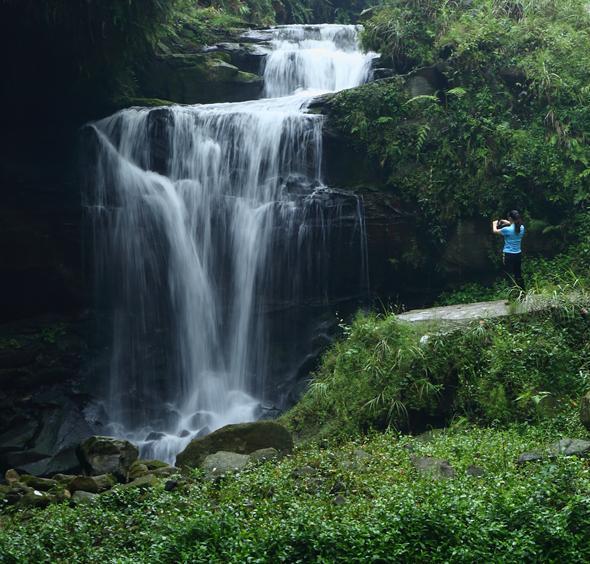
43 411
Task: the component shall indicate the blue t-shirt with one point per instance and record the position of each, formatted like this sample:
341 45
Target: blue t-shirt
512 239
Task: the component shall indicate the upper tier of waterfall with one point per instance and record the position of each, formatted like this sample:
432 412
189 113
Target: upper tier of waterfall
205 218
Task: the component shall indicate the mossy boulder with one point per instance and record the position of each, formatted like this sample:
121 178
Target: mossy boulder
35 499
241 438
137 469
143 482
42 484
223 463
107 455
92 484
191 78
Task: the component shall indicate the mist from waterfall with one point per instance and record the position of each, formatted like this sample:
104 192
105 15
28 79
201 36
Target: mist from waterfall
204 218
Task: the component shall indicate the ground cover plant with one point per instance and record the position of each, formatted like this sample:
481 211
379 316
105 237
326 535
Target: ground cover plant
362 500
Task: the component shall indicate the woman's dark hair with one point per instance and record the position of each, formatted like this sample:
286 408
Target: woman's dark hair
515 217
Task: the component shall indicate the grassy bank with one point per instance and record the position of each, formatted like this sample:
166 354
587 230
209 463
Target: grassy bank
386 373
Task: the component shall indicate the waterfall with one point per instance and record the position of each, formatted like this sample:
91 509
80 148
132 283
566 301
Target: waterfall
207 218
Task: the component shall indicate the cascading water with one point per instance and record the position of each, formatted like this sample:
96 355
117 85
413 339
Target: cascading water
205 219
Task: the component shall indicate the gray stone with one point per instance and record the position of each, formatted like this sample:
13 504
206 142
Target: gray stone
137 469
223 463
475 471
93 484
81 496
434 467
357 461
529 457
107 455
303 472
62 426
64 478
83 484
147 481
571 447
165 471
264 454
35 499
243 438
11 476
171 485
465 313
42 484
339 500
361 455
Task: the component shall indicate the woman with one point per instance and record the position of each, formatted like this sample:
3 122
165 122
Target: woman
513 231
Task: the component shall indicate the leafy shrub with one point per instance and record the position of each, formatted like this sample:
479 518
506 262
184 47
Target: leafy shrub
386 510
506 131
389 373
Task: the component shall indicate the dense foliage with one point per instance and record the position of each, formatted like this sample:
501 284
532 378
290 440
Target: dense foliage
507 125
388 373
344 506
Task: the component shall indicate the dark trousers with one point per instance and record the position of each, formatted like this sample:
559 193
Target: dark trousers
513 268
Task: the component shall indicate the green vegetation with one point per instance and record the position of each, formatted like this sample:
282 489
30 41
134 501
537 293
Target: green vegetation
504 125
391 374
346 506
564 273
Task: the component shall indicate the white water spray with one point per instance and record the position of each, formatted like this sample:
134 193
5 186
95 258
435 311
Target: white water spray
198 212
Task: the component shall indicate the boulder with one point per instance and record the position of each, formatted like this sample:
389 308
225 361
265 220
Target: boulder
165 471
526 457
171 485
81 496
137 469
357 461
475 471
264 454
571 447
154 464
434 467
61 426
83 484
35 499
157 467
339 500
223 463
63 478
147 481
11 476
107 455
92 484
303 472
242 438
42 484
585 410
